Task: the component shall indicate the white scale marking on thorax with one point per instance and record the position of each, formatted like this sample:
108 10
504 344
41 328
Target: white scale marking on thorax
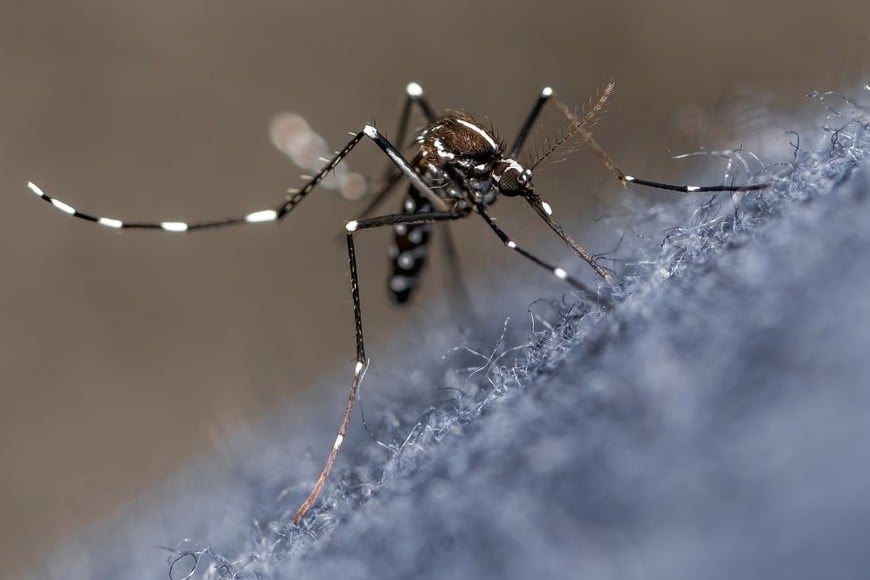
480 132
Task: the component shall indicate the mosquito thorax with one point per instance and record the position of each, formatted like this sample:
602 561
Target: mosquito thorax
457 148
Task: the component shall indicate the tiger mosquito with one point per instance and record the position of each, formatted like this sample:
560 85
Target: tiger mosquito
459 168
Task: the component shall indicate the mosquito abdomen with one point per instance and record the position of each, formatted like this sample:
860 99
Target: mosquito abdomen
409 249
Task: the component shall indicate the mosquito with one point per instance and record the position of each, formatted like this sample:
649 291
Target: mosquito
458 169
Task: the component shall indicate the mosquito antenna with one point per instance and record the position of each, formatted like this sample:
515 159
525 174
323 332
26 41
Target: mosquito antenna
578 124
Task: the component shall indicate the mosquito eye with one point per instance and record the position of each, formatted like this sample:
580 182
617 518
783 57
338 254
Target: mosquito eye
508 181
511 178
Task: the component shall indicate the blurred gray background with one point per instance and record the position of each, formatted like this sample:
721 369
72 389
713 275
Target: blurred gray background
124 354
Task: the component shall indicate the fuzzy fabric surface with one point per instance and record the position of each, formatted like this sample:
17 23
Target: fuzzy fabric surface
714 424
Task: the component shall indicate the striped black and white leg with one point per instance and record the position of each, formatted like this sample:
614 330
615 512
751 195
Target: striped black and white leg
259 216
580 124
362 362
440 215
586 137
559 273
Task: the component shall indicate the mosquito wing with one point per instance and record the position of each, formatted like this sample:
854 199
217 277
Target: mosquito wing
295 138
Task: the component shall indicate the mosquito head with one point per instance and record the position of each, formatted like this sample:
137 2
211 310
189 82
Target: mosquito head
511 178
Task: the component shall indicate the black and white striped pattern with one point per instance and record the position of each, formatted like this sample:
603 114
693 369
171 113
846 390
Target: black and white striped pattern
459 169
409 249
258 216
266 215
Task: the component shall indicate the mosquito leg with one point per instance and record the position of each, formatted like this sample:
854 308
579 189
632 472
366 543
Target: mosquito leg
558 272
362 362
405 167
542 99
260 216
543 210
579 124
266 215
414 93
458 292
392 176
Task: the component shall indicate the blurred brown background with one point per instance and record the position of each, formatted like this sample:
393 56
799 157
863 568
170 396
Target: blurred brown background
122 354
